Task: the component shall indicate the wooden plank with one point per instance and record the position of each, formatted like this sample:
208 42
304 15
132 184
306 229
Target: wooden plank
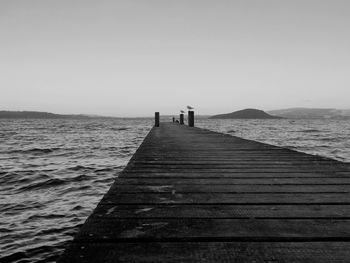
206 229
212 159
189 252
222 211
241 174
232 181
262 170
220 188
225 198
236 168
217 164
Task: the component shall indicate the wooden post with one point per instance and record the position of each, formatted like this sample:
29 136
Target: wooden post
191 118
181 118
188 118
156 119
173 119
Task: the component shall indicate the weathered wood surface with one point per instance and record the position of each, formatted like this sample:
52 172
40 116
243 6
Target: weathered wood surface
192 195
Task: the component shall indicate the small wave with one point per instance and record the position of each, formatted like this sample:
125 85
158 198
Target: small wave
121 129
40 217
104 170
330 139
80 167
41 150
5 230
79 178
47 252
14 257
35 150
56 231
12 209
105 180
309 130
125 151
16 178
43 185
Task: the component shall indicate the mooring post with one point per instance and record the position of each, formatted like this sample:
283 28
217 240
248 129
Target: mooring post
156 119
173 119
191 118
181 118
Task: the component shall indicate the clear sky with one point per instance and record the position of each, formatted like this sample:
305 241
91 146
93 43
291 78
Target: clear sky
131 58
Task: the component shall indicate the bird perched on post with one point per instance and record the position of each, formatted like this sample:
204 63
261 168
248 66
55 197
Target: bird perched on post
190 108
182 111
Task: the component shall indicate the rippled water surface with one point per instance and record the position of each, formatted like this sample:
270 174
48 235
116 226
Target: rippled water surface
54 172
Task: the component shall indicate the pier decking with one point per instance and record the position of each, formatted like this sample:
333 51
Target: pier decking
192 195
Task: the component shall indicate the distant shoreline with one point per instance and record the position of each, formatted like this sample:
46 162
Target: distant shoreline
49 115
246 114
291 114
42 115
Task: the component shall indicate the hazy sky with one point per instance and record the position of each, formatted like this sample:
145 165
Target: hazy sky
131 58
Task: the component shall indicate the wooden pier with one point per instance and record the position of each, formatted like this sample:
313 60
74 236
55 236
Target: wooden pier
193 195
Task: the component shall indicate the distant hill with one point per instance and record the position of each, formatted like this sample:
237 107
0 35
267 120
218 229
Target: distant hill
312 113
245 114
38 115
